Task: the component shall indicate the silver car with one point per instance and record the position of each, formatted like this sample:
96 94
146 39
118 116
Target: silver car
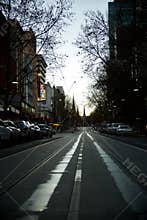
124 129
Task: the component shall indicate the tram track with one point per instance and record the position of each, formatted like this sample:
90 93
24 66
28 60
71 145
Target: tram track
4 189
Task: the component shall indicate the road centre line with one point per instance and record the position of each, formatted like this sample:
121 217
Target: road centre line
73 213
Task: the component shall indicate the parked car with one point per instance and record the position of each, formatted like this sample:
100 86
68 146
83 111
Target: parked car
54 130
24 127
16 131
104 128
46 130
35 131
113 127
124 129
5 134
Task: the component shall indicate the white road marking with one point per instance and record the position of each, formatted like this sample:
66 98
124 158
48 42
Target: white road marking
75 200
40 198
28 155
121 180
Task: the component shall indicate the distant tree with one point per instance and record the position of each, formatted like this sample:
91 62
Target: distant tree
68 112
98 100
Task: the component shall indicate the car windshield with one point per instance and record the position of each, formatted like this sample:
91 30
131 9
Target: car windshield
42 125
73 109
20 123
123 126
1 123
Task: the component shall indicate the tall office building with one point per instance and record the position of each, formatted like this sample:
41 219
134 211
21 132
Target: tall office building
128 48
121 21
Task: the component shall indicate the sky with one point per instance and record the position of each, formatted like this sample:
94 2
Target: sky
76 83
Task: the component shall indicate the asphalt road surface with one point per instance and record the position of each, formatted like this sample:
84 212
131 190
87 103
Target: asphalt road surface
79 176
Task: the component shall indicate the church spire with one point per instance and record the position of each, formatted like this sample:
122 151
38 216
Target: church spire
73 105
84 115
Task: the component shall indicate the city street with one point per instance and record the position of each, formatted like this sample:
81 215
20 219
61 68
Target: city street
73 110
77 176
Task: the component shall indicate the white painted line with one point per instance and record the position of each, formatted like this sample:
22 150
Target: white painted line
42 163
121 180
129 193
90 136
40 198
114 153
73 213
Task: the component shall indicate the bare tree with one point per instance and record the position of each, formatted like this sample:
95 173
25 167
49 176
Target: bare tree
94 49
93 41
47 20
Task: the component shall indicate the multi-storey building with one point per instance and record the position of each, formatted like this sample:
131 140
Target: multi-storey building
18 76
10 62
121 22
45 106
22 72
140 55
44 91
41 77
29 76
128 48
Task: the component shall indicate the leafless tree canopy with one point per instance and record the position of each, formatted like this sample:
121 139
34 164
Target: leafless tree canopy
93 45
47 19
93 41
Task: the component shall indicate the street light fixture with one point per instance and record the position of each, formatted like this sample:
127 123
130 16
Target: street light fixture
15 82
135 90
